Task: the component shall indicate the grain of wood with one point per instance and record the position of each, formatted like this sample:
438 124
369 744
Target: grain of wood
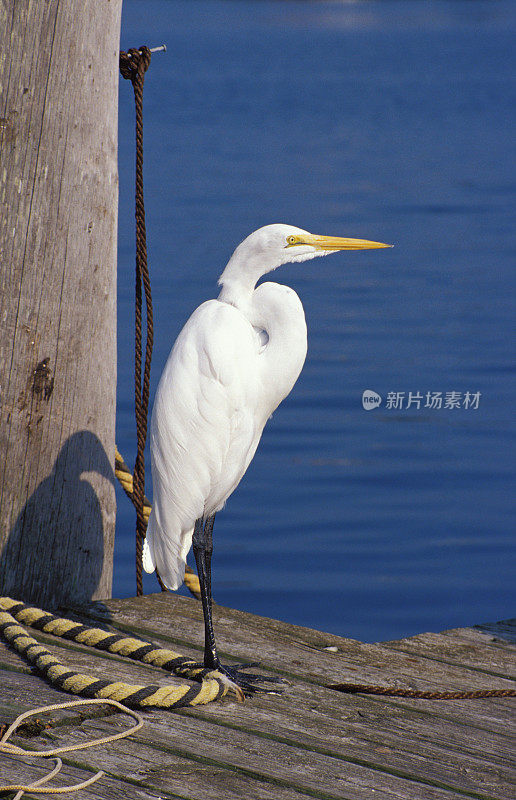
107 788
194 781
259 758
287 649
457 647
318 719
309 741
58 223
297 652
501 633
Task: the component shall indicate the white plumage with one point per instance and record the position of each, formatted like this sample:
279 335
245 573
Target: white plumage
235 360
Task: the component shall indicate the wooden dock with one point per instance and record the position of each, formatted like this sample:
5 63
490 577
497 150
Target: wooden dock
308 741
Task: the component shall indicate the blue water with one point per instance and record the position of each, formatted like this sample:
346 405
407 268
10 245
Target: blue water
391 121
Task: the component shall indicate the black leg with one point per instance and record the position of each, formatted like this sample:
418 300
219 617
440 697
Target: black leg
203 548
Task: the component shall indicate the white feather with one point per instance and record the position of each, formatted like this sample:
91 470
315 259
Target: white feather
232 364
208 416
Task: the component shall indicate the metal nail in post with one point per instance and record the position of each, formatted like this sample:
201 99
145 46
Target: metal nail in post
161 48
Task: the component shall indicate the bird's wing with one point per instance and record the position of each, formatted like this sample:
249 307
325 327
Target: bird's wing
203 429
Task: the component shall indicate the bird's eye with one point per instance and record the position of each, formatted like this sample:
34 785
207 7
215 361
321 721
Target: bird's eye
291 239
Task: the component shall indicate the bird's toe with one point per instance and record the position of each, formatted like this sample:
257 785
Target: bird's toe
248 683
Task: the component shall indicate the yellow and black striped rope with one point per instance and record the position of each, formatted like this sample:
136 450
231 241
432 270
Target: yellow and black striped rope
125 478
213 684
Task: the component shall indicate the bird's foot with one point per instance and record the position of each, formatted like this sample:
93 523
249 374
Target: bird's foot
245 684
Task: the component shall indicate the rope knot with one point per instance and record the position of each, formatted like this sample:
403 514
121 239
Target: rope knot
135 62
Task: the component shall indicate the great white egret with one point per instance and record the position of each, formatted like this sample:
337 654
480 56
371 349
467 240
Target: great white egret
233 363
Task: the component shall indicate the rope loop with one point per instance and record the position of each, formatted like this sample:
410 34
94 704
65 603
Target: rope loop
211 684
15 750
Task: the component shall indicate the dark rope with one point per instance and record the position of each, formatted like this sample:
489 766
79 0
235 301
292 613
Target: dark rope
133 66
389 691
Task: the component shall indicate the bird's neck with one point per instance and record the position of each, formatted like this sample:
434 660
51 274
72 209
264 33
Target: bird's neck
277 311
239 279
237 293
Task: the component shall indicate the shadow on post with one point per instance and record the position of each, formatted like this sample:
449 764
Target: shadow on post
55 552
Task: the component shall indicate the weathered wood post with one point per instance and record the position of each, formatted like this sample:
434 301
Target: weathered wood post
58 205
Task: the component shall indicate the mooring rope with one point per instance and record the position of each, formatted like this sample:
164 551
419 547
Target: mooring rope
213 684
133 66
391 691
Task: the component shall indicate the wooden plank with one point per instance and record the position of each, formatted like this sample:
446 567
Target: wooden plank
132 767
17 770
149 752
202 780
108 665
378 736
284 649
375 734
490 714
353 728
298 653
462 647
387 738
153 774
502 633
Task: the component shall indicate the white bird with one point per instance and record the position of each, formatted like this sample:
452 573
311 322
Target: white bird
233 363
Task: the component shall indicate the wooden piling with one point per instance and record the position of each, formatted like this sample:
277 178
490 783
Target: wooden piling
58 224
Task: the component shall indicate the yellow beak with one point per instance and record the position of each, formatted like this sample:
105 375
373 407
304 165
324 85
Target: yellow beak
338 243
